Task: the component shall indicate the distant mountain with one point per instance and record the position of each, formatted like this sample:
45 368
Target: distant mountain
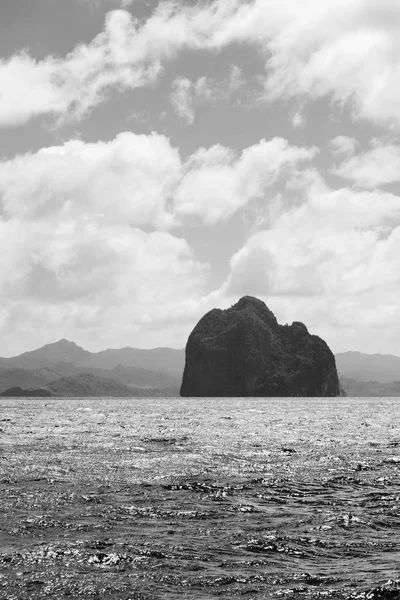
383 368
17 392
371 389
130 376
162 360
49 355
15 377
87 384
158 372
71 370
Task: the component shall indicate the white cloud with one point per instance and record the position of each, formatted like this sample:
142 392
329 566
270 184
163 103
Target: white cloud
378 166
112 285
86 233
347 50
313 48
217 183
331 261
81 257
343 146
94 4
126 55
28 89
338 242
127 180
142 180
298 120
70 87
187 95
182 99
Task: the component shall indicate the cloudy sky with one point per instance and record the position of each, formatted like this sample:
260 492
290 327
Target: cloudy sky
159 159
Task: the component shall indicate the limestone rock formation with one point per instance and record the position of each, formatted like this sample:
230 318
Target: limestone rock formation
243 351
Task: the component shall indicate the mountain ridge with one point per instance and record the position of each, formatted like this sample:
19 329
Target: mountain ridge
163 359
127 367
159 370
383 368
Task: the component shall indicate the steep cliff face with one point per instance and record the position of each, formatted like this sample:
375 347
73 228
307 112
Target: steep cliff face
243 351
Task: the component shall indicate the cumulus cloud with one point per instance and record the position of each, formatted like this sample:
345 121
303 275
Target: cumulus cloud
126 55
87 231
338 242
70 87
326 261
127 180
377 166
141 180
81 253
216 182
349 51
87 281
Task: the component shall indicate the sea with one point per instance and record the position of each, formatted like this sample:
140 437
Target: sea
169 498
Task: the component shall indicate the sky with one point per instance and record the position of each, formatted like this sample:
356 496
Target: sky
160 159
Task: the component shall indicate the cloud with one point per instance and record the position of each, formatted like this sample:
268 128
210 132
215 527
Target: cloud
126 55
70 87
378 166
330 260
127 180
337 242
348 51
298 120
141 180
94 4
188 95
182 99
107 284
217 183
84 243
343 146
87 233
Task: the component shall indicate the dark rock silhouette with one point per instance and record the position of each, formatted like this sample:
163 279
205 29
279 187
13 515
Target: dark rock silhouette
243 351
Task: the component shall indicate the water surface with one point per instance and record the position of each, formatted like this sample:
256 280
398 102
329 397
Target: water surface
201 498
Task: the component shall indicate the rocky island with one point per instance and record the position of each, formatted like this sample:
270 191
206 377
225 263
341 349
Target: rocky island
243 351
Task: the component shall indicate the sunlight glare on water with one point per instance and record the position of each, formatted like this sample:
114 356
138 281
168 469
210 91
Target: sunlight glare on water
200 498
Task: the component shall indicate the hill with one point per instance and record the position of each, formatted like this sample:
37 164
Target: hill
383 368
163 360
87 385
71 370
24 378
158 371
17 392
371 389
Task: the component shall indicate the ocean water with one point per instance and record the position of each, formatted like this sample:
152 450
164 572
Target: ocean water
199 498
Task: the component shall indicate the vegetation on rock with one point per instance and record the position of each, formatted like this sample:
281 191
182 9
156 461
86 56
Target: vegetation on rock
243 351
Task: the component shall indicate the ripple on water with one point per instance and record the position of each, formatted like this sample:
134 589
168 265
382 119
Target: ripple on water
313 514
